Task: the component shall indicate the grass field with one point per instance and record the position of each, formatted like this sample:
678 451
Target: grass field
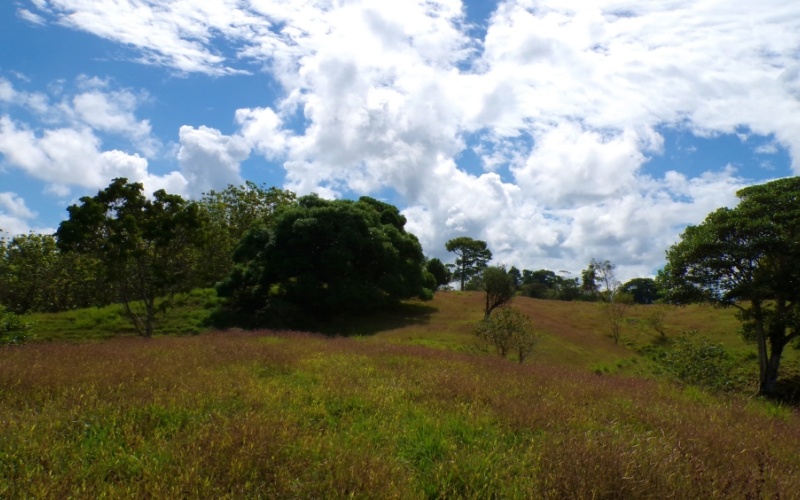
408 406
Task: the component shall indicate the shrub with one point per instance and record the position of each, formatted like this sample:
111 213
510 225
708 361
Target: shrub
697 361
13 331
508 330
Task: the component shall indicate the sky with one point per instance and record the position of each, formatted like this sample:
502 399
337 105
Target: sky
556 130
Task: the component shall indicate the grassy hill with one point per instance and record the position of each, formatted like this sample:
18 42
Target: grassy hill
407 406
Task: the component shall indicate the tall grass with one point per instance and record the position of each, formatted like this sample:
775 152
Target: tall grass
274 415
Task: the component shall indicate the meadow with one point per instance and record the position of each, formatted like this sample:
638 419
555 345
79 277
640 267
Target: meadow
407 405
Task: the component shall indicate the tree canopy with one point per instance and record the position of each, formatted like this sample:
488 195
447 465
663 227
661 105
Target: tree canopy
472 257
499 286
642 290
145 246
746 257
228 214
325 258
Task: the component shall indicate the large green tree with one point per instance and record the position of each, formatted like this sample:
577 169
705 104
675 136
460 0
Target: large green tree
472 257
145 246
228 214
325 258
747 257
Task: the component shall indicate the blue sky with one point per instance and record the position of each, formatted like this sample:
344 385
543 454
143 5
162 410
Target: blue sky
557 130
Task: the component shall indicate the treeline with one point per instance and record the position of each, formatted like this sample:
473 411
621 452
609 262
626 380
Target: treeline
597 282
270 254
59 272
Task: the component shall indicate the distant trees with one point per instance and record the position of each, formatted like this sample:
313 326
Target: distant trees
145 246
546 284
598 279
746 257
642 290
472 257
324 258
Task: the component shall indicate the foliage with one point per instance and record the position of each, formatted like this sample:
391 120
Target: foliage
697 361
440 273
36 276
472 257
145 246
325 258
228 215
747 257
546 284
599 279
13 331
509 330
499 287
642 290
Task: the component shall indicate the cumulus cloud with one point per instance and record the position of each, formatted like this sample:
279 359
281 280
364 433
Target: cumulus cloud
209 159
563 102
15 216
73 157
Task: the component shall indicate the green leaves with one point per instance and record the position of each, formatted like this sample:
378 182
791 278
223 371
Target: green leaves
326 258
146 247
473 256
747 257
508 330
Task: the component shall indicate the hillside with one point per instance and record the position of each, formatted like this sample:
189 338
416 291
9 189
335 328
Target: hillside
408 407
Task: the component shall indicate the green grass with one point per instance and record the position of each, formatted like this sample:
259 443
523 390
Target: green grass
408 407
188 316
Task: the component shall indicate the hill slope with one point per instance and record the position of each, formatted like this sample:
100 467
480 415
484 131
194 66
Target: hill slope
286 414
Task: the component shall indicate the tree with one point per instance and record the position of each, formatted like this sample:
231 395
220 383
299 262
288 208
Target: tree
499 287
642 290
228 215
616 310
747 257
441 274
36 276
472 257
508 330
143 245
324 258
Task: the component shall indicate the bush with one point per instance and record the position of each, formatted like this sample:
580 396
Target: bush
697 361
508 330
13 331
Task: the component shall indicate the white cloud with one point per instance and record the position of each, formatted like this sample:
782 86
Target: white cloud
72 157
209 159
31 17
261 129
15 216
113 112
563 103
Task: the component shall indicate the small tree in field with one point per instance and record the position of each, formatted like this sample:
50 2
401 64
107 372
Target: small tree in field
499 287
616 310
508 330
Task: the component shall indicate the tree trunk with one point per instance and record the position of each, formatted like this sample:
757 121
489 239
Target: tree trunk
769 377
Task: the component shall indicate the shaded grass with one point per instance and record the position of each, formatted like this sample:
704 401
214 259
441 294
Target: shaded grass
263 414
